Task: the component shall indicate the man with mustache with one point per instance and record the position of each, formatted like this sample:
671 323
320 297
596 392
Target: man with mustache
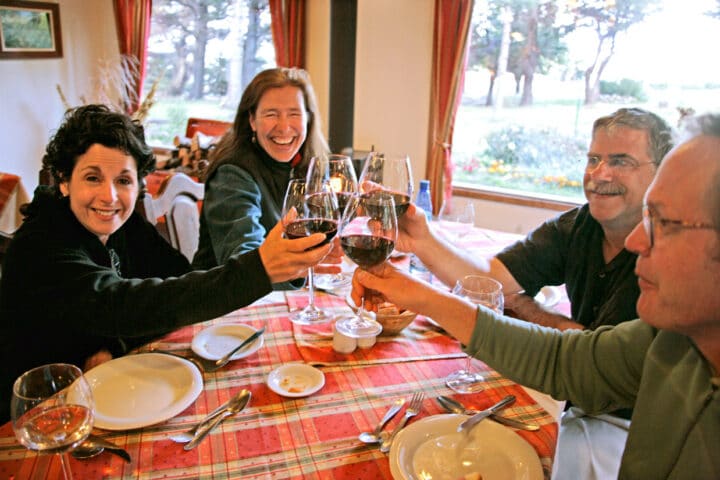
583 249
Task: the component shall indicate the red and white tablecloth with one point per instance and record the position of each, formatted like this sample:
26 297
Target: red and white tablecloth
298 438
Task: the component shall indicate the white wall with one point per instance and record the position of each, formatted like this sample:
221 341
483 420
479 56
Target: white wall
31 107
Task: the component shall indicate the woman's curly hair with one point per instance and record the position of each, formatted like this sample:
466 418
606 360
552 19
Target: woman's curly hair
90 124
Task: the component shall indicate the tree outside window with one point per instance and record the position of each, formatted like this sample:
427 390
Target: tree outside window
540 72
203 53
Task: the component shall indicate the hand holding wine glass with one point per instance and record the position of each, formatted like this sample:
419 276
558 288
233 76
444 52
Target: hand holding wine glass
481 291
52 410
316 212
368 232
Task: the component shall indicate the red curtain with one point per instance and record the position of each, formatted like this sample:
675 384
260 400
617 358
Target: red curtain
133 27
450 44
288 32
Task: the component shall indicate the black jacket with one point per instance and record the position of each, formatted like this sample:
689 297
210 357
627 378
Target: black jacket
61 300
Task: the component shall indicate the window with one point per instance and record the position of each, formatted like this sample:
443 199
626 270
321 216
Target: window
202 54
526 131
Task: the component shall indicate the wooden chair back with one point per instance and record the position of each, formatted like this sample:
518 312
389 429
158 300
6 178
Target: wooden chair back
177 202
212 128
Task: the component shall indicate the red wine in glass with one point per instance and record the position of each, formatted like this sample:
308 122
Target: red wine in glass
391 174
315 211
306 227
367 250
402 201
368 231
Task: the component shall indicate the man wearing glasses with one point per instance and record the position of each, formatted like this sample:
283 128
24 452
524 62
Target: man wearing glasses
583 249
666 364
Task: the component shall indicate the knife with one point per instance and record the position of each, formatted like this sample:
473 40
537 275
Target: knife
454 406
468 424
221 362
238 403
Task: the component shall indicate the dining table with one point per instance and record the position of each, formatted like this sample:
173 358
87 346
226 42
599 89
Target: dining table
303 437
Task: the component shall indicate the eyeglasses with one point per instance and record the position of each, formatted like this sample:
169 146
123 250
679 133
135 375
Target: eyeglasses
650 220
616 164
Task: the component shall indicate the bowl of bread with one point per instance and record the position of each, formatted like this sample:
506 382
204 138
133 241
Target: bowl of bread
392 319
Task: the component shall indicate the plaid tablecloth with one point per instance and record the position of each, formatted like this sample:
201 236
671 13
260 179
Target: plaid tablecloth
278 437
297 438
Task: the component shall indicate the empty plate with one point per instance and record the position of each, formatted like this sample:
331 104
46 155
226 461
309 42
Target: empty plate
296 380
144 389
214 342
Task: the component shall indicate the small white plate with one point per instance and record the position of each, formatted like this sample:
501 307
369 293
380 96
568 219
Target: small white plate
296 380
214 342
425 450
144 389
548 296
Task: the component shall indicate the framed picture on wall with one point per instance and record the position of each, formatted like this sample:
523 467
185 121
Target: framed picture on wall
29 30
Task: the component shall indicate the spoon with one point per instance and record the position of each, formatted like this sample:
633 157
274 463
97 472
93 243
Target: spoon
94 445
453 406
186 436
237 404
374 436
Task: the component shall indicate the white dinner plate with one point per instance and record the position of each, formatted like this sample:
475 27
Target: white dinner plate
144 389
425 450
214 342
548 296
296 380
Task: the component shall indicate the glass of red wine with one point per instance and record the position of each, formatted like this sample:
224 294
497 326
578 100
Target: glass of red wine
52 410
339 171
390 174
368 231
317 212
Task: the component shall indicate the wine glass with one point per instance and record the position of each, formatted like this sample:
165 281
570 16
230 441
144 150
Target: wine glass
340 172
482 291
52 410
368 232
317 212
458 222
389 173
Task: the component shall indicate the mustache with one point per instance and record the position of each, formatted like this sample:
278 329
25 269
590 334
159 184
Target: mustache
605 188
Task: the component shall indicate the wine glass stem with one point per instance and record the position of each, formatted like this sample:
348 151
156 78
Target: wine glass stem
311 288
65 466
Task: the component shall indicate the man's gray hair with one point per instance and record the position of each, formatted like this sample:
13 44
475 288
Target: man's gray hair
660 133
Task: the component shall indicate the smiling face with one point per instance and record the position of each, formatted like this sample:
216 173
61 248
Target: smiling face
615 197
680 274
280 122
103 189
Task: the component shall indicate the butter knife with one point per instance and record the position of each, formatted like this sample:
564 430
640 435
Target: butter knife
238 403
228 356
468 424
454 406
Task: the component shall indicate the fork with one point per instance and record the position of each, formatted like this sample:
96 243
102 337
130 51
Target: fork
412 410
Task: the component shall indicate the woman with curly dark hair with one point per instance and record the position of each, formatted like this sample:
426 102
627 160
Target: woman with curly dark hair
86 278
